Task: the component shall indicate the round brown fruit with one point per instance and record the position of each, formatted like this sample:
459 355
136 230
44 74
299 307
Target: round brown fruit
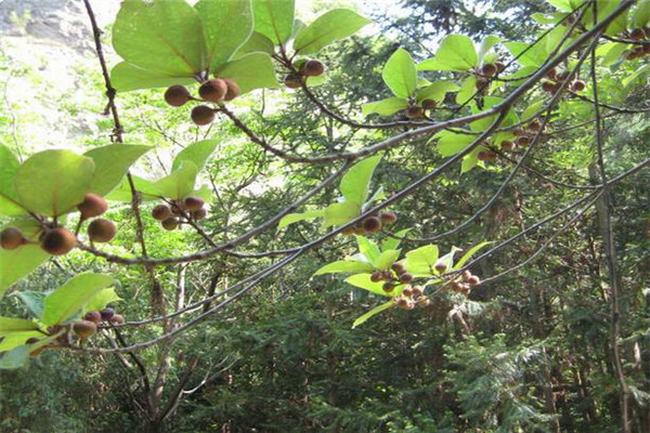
578 86
199 214
372 224
58 241
170 223
406 278
213 90
418 291
11 238
233 90
202 115
161 212
507 145
473 280
535 125
84 328
388 217
429 104
177 95
408 291
376 276
388 286
523 141
312 68
489 69
483 155
637 35
92 206
107 313
440 267
551 74
415 112
101 230
481 83
93 316
549 86
398 268
117 319
192 203
293 81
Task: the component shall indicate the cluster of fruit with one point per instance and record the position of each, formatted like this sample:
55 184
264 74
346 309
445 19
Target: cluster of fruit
372 224
411 297
640 50
524 136
415 112
304 69
397 275
554 80
57 240
179 211
215 90
464 283
485 73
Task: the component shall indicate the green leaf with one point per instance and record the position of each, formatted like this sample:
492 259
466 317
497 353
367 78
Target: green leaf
456 53
274 19
197 153
327 28
251 71
450 143
355 184
385 107
296 217
111 164
147 188
227 25
641 14
487 44
378 309
33 302
126 77
8 199
386 259
15 264
535 56
436 91
470 160
468 255
10 325
180 183
399 74
448 259
467 90
391 243
54 181
363 281
162 36
101 300
257 42
70 298
420 262
344 266
338 214
369 249
15 358
15 339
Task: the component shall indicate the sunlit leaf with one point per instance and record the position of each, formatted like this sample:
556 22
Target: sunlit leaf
111 164
344 266
327 28
70 298
378 309
399 74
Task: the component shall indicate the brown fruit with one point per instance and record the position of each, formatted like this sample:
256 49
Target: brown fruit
406 278
293 81
486 155
535 125
388 286
388 218
170 223
376 276
408 291
417 291
481 83
401 301
578 86
177 207
646 49
199 214
101 230
388 275
523 141
372 224
507 145
117 319
11 238
58 241
473 280
489 69
551 74
549 86
440 267
107 313
84 328
93 316
312 68
429 104
202 115
177 95
233 90
192 203
161 212
398 268
415 112
92 206
637 35
213 90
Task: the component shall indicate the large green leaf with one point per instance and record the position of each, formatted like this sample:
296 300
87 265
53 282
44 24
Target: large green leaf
8 167
274 19
338 214
296 217
180 183
456 53
378 309
251 71
161 36
197 153
392 242
344 266
641 14
450 143
54 181
9 325
327 28
147 189
15 339
467 90
227 26
421 261
257 42
399 74
101 300
386 259
15 358
468 255
33 301
363 281
355 184
111 164
533 56
369 249
487 44
436 91
385 107
125 77
70 298
15 264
